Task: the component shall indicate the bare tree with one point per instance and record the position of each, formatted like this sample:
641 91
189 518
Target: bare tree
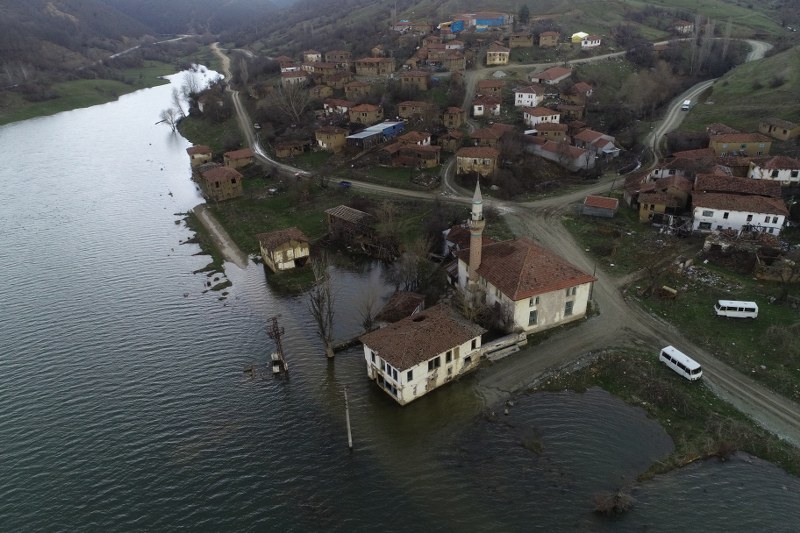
320 303
366 308
191 86
292 101
177 104
170 117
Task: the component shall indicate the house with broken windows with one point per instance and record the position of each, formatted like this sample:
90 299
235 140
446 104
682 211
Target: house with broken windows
412 357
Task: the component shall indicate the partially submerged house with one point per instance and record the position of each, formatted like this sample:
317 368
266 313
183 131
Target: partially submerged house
419 353
284 249
219 183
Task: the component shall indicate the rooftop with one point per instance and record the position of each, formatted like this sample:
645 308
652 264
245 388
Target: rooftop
275 238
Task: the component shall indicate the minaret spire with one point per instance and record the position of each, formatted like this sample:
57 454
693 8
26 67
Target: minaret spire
476 224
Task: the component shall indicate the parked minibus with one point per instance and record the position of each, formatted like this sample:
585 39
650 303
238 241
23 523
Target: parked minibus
680 363
736 309
687 104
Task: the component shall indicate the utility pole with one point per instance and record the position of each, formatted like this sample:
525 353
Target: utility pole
347 417
275 333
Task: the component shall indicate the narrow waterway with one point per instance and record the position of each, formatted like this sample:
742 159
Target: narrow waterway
124 405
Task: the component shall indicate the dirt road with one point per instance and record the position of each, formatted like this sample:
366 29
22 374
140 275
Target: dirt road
226 246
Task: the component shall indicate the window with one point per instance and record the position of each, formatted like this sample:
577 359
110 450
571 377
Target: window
749 218
450 371
434 363
725 216
474 344
448 356
708 213
774 220
572 291
372 354
233 181
774 173
568 308
496 292
410 375
766 219
793 173
532 317
533 301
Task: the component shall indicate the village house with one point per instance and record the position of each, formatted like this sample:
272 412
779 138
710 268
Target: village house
550 76
349 225
749 144
706 183
578 93
374 66
285 61
355 90
331 138
526 283
401 304
407 155
520 40
549 39
311 56
198 155
422 352
320 92
454 61
451 141
414 110
497 54
591 41
340 57
219 183
335 106
366 114
683 27
720 211
571 111
780 168
532 116
419 138
552 131
600 206
414 79
284 249
655 204
238 158
289 79
339 79
783 130
453 117
480 159
563 154
378 51
597 142
530 96
486 137
290 148
485 106
455 44
490 88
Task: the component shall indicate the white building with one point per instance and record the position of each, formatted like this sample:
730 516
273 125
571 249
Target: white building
536 115
591 41
780 168
529 284
419 353
528 97
719 211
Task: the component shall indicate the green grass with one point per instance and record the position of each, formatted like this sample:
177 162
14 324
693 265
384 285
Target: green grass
700 424
311 161
394 176
84 93
751 92
217 135
745 344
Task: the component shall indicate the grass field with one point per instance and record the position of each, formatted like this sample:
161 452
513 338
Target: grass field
216 135
752 91
84 93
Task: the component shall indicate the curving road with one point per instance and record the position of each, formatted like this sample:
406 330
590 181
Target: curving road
618 323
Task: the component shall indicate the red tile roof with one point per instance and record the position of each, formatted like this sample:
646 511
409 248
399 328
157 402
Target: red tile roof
400 305
551 126
418 338
540 111
602 202
700 153
414 137
778 162
491 84
478 152
660 198
736 202
364 108
220 174
198 149
553 73
739 138
521 268
244 153
733 185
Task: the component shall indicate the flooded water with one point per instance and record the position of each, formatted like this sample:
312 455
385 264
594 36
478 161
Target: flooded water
123 404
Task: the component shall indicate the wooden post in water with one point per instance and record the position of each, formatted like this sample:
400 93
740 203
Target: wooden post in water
347 416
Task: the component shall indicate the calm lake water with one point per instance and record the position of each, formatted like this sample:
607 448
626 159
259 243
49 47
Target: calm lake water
123 404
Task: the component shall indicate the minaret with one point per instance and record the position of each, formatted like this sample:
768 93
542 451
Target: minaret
476 224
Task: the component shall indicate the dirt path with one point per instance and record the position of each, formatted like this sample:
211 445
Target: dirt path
226 246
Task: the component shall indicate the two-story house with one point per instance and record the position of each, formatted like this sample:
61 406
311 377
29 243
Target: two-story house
497 54
780 168
480 159
284 249
749 144
532 116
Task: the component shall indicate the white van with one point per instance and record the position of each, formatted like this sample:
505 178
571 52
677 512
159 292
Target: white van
680 363
687 105
736 309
